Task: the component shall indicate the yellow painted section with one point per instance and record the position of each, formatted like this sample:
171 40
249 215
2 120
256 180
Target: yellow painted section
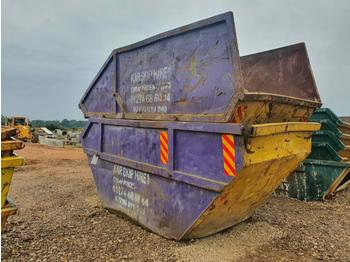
276 128
8 165
11 145
6 177
268 160
24 132
267 148
258 112
9 210
11 161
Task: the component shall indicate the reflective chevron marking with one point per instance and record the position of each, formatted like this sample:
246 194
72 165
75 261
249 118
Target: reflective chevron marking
228 151
163 138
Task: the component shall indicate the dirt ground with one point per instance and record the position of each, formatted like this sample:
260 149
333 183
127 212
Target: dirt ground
60 219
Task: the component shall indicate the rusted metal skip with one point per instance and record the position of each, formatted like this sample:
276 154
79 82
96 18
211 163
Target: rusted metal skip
279 86
276 85
178 142
206 185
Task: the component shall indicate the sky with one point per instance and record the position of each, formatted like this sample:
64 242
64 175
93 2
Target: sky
52 49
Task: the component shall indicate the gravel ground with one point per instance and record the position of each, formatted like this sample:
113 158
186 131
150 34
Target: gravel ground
60 219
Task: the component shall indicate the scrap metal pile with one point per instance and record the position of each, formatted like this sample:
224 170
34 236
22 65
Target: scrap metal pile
9 160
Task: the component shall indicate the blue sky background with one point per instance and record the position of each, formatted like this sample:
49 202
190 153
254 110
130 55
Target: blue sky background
51 50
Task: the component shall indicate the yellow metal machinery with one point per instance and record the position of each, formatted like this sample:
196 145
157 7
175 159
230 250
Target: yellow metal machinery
9 160
21 123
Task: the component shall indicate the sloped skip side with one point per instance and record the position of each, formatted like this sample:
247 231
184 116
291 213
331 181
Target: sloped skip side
161 175
99 98
270 157
284 71
326 136
162 205
326 114
167 187
318 180
327 124
323 151
278 87
189 73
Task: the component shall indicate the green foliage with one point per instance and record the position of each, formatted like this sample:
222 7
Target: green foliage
3 120
55 124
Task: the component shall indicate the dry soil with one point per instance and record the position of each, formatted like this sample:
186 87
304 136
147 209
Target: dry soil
60 219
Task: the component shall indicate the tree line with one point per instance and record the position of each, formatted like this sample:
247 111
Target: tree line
53 124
